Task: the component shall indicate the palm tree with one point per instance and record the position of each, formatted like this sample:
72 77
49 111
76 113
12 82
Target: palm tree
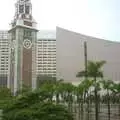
108 85
117 92
94 71
58 90
64 93
88 84
81 92
68 89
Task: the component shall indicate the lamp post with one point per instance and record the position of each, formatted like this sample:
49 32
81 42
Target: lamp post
85 58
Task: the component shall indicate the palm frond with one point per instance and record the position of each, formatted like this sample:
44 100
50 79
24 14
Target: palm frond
80 74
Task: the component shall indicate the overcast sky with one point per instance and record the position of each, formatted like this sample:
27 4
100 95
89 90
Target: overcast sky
99 18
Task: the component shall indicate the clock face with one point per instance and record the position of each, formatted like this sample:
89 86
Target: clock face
27 43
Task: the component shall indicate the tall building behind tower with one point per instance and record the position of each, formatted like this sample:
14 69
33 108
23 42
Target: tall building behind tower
46 54
22 38
4 51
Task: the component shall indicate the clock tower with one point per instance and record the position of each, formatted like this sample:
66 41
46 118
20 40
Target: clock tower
22 41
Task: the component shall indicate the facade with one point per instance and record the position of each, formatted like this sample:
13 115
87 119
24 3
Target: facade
46 53
29 53
4 51
70 55
26 53
22 44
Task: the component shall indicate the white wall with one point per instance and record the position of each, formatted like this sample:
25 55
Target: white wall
70 54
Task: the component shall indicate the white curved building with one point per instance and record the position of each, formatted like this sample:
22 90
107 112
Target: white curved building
70 55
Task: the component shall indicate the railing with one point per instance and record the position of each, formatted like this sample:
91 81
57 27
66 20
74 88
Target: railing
86 114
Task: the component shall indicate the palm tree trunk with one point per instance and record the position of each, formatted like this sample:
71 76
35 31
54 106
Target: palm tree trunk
62 99
78 99
79 110
96 102
69 106
119 106
51 97
57 98
82 111
70 103
88 106
108 105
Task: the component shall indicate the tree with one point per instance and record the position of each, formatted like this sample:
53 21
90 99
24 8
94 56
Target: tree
5 95
35 105
108 85
69 90
43 111
23 90
59 90
43 79
94 71
116 88
82 95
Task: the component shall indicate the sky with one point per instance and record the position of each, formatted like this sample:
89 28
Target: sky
98 18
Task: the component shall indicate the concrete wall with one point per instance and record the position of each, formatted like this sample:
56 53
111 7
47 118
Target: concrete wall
70 54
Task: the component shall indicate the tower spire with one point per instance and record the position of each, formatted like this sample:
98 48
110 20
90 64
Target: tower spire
23 9
23 14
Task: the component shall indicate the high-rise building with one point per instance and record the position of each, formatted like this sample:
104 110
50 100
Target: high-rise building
22 37
46 53
4 51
